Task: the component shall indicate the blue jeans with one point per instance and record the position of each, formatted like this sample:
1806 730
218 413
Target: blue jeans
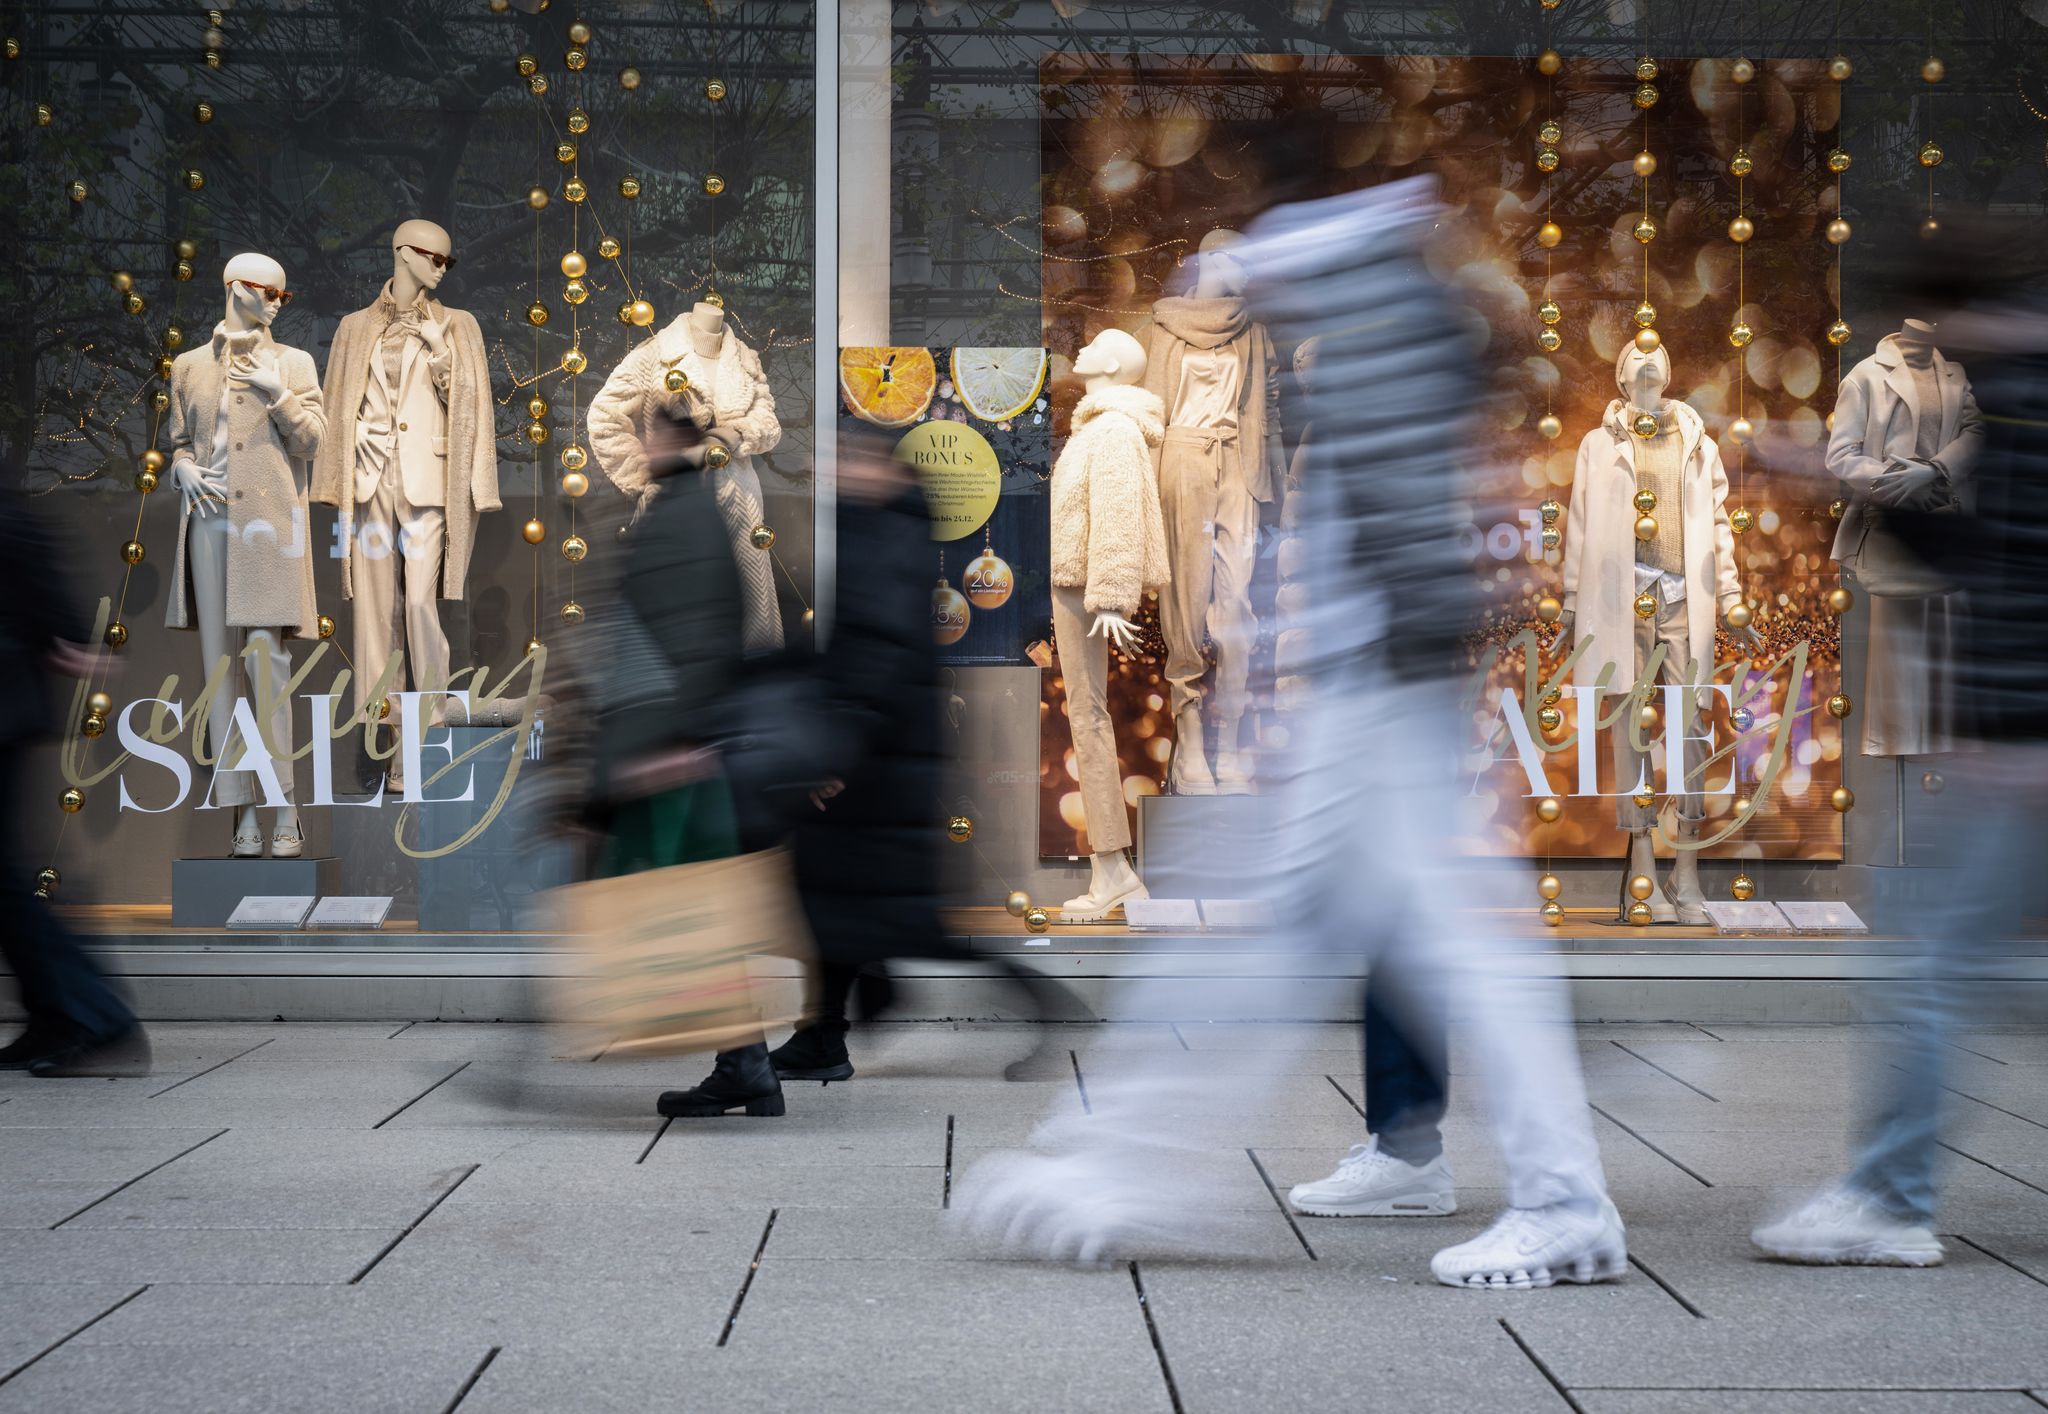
1406 1075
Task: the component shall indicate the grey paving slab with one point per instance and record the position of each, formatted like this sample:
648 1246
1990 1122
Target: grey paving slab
379 1199
87 1154
717 1185
159 1255
36 1203
422 1374
571 1241
1238 1234
35 1316
812 1135
1728 1401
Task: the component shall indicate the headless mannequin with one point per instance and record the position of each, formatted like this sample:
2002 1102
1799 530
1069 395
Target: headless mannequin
707 337
204 491
1113 359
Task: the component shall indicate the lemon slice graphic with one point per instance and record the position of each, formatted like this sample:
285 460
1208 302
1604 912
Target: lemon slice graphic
888 386
998 384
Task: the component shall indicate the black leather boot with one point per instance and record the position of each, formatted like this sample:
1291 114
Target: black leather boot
815 1052
742 1078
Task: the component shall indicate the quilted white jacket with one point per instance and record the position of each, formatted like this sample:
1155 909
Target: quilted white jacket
1108 537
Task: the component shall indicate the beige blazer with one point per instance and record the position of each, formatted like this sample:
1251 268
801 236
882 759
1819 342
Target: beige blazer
271 548
1877 422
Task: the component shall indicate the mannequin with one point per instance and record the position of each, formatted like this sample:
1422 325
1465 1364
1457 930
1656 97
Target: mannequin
1108 548
1906 432
244 423
1216 373
1686 566
698 368
411 461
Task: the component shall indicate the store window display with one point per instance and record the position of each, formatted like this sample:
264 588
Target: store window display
245 422
1906 432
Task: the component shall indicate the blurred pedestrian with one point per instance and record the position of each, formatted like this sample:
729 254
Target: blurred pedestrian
1984 812
77 1023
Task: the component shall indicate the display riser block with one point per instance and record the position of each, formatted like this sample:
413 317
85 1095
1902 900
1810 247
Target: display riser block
205 891
1205 846
496 881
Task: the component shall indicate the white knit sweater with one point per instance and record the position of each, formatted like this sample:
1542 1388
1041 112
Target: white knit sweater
1108 537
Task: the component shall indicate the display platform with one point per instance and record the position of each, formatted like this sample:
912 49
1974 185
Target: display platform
205 892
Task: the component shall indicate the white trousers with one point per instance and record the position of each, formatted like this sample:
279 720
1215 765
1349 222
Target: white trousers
260 666
397 552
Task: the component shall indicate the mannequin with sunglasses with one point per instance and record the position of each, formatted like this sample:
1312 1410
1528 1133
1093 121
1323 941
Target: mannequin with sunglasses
411 463
245 422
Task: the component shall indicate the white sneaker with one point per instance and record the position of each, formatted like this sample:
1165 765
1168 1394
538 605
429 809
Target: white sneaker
1370 1184
1531 1247
1840 1227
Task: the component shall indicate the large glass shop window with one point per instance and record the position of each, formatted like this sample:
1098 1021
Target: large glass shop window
340 337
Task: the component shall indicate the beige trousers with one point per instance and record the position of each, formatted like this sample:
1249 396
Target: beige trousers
261 665
1212 534
1084 664
1669 629
397 574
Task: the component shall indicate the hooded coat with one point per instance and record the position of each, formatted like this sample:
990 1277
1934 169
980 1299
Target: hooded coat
1108 536
1181 321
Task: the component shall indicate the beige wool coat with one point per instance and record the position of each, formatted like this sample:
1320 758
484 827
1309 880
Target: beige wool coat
270 552
472 442
1877 423
1108 535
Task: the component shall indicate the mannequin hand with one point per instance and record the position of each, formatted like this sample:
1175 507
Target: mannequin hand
434 334
1564 628
1746 637
260 373
201 490
1117 629
1903 484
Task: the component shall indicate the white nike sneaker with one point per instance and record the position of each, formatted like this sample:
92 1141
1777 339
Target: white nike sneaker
1370 1184
1532 1247
1840 1227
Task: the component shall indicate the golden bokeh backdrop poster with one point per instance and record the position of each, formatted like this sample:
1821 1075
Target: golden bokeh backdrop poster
1142 158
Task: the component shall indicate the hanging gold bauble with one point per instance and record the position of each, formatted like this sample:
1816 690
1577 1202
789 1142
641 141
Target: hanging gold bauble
174 337
1742 429
574 548
1549 609
186 250
1644 164
1838 160
1740 520
533 645
1645 501
575 292
713 184
1646 69
642 313
714 89
1836 507
1843 800
626 312
1549 62
1931 154
47 879
536 314
573 190
1549 809
1551 133
1742 71
1549 886
574 360
122 281
579 33
717 457
1037 920
574 484
534 531
1744 888
134 303
1646 314
1933 71
1646 96
160 400
1838 333
988 580
1840 600
676 381
608 248
1646 606
1549 234
94 725
1550 426
1641 886
1647 718
537 198
950 614
1549 511
116 634
536 432
1740 335
1839 68
383 709
574 457
77 191
1644 799
132 551
1546 159
629 79
960 829
1840 706
575 60
45 115
1549 340
1552 914
1740 615
1639 914
536 407
1929 228
1549 718
1017 904
1741 164
579 121
1838 232
153 460
183 270
324 626
71 801
1548 312
99 703
1645 425
145 481
1932 783
629 187
193 178
527 65
1645 230
1551 537
574 265
809 615
761 537
572 612
1741 229
537 85
565 152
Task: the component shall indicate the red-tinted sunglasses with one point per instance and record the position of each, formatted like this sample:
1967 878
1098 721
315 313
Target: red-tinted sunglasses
268 292
441 262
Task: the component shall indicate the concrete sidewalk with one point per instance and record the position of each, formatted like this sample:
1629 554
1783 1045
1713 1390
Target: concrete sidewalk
438 1216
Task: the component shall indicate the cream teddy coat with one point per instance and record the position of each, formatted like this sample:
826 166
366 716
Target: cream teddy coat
1108 537
729 396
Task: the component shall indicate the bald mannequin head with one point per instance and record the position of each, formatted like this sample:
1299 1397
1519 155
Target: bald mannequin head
1642 377
1112 357
246 277
413 246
